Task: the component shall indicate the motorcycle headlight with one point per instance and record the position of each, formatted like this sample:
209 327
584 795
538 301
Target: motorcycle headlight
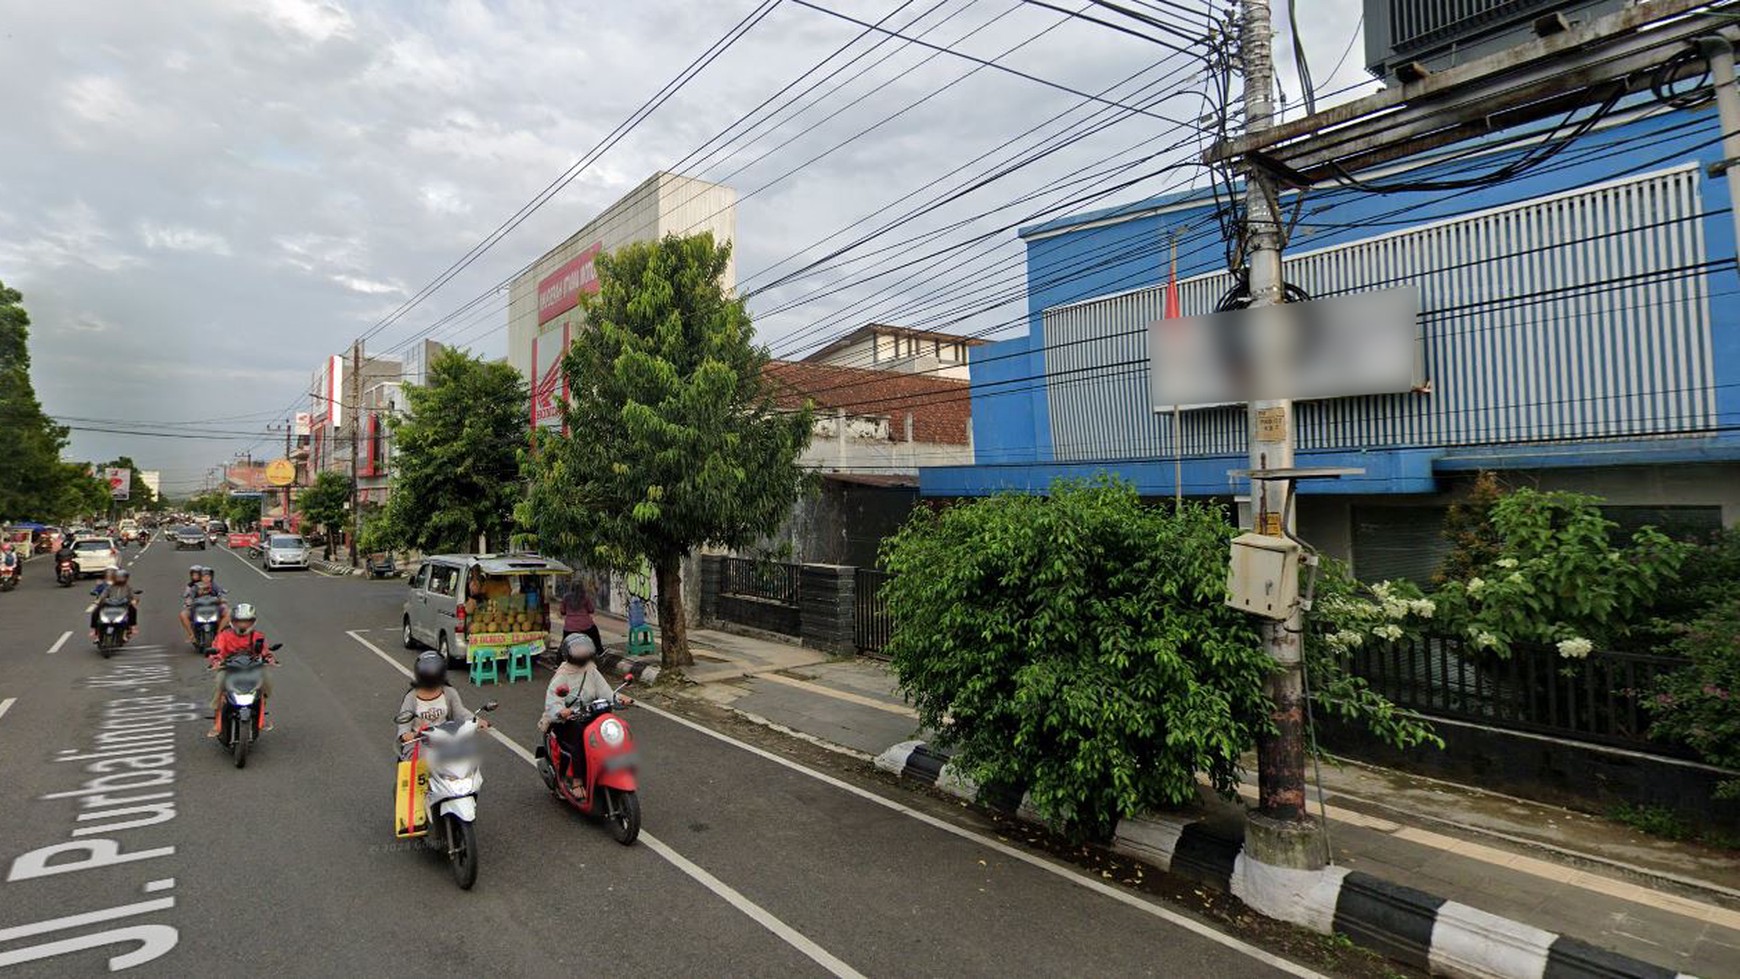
612 732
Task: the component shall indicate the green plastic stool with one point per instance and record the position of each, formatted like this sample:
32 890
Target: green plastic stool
520 665
484 670
641 641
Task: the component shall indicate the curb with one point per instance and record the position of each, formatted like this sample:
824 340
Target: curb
645 671
1419 929
332 569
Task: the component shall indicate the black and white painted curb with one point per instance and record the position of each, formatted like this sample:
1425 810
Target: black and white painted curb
1410 926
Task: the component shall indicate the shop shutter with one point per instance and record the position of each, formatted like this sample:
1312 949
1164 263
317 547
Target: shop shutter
1398 542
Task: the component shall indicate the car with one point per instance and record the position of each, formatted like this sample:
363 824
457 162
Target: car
95 555
189 538
435 610
284 551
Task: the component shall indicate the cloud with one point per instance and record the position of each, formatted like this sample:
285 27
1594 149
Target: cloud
71 235
100 99
443 198
183 239
316 21
367 287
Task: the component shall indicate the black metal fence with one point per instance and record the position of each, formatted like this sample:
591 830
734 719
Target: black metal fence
769 581
1597 699
874 623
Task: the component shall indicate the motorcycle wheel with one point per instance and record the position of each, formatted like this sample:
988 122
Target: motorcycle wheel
462 851
244 734
622 812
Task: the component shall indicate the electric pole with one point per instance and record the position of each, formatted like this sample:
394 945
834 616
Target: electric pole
1281 810
356 359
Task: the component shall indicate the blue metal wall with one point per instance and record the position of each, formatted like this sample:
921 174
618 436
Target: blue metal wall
1622 246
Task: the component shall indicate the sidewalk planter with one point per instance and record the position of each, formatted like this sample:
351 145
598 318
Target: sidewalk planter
1399 922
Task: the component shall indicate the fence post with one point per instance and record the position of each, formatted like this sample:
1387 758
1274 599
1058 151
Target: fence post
712 567
827 609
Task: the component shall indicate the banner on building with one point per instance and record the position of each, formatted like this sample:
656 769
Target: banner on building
549 384
561 290
120 483
1341 347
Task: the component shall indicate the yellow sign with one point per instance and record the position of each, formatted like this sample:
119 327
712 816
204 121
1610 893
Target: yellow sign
1271 424
280 472
1272 524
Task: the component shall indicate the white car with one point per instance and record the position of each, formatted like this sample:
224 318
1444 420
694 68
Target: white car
95 555
284 551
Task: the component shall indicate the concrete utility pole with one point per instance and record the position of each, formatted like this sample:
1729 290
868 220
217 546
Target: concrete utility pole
1281 818
1719 52
356 360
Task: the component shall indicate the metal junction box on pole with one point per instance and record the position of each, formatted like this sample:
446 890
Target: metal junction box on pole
1263 578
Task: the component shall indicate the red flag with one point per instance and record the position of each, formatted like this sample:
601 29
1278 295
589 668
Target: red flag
1172 311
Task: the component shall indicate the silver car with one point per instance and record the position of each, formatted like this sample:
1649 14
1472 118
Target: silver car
284 551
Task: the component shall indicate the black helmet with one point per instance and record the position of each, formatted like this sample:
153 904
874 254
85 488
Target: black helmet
579 648
430 670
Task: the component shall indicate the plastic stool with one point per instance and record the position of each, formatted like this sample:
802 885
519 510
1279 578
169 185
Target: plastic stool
520 664
641 640
484 669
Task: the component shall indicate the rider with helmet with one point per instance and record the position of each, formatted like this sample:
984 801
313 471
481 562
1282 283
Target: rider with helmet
430 701
9 556
239 637
116 589
580 675
201 588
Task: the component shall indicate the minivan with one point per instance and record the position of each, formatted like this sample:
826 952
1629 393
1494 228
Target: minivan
436 603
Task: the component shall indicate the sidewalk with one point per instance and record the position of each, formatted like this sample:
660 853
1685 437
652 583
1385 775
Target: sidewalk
1675 905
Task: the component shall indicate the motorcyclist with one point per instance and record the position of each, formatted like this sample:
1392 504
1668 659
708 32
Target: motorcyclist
65 552
193 573
9 559
239 636
116 589
204 597
430 701
580 675
201 585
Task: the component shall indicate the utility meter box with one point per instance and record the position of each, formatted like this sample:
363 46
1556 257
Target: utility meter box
1263 578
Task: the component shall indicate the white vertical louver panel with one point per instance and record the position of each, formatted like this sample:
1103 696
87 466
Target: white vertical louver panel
1540 321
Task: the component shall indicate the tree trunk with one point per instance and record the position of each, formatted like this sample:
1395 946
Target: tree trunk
673 627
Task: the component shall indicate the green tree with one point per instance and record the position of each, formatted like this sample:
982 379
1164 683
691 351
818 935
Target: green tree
1474 541
456 458
324 503
34 483
672 439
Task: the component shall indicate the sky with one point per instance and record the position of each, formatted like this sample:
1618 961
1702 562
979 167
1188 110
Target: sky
202 199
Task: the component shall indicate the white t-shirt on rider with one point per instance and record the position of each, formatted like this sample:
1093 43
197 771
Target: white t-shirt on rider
431 712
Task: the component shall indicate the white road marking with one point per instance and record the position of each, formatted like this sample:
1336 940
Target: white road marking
60 642
6 705
90 608
246 563
1067 873
755 912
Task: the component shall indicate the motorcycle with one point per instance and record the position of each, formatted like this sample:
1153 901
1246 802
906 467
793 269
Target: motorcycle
8 577
205 626
111 628
608 786
66 572
455 776
243 716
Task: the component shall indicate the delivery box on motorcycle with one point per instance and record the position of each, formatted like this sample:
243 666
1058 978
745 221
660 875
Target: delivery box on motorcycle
410 812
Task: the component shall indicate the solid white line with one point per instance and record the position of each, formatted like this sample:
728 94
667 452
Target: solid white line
60 642
90 608
6 705
1067 873
246 563
731 895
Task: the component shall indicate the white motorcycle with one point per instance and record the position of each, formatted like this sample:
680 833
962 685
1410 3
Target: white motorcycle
455 760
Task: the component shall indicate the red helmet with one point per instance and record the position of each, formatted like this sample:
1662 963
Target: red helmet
7 546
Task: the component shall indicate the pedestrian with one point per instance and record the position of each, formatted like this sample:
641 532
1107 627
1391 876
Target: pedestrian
577 611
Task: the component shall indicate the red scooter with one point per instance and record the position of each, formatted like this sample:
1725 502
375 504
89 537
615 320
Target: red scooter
607 786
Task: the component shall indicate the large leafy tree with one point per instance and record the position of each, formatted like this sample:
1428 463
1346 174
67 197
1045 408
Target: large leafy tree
323 503
671 438
457 457
34 483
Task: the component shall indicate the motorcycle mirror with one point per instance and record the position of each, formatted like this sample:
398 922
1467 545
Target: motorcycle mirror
627 678
404 717
275 646
492 705
562 691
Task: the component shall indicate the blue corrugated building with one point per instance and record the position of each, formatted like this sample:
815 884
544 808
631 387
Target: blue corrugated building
1578 322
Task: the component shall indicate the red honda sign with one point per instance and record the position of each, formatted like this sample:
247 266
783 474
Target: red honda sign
560 291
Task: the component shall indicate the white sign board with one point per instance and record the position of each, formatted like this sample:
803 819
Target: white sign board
1365 343
120 483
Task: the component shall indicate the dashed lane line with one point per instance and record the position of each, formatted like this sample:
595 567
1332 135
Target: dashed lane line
58 643
761 916
246 563
6 705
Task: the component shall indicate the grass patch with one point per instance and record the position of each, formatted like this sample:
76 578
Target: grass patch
1660 821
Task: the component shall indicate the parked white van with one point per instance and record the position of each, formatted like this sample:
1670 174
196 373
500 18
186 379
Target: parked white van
441 594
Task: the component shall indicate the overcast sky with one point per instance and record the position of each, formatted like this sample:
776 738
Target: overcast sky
200 199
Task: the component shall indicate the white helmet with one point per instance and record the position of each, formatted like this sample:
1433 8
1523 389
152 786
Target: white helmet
243 614
579 648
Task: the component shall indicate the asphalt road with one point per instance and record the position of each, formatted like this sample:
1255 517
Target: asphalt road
749 864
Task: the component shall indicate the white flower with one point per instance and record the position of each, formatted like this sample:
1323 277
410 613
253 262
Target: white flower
1507 563
1475 585
1382 590
1346 639
1515 577
1388 630
1486 640
1422 607
1395 608
1575 648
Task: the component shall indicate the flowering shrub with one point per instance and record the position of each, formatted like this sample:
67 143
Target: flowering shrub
1348 616
1557 578
1700 704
